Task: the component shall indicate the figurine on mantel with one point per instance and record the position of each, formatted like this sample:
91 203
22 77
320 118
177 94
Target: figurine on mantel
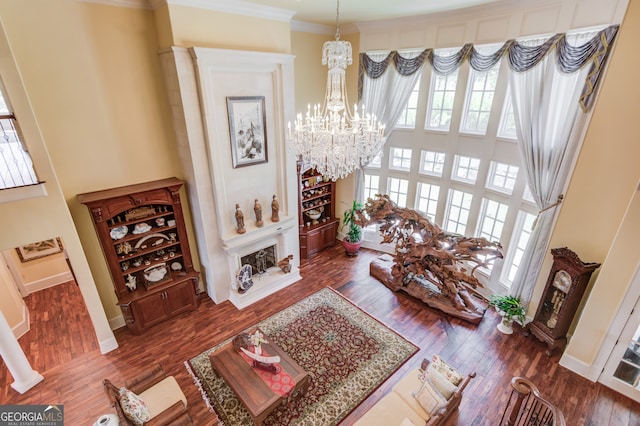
240 220
258 209
275 206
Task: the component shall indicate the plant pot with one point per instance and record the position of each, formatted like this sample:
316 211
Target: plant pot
351 249
505 326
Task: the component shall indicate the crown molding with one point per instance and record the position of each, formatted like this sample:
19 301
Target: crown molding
236 7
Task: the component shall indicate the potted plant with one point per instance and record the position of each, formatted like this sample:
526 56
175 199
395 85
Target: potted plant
352 239
509 307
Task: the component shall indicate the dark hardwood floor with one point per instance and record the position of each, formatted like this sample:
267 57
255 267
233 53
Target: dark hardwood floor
62 347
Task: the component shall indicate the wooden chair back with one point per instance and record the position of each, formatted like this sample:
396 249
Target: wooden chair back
526 406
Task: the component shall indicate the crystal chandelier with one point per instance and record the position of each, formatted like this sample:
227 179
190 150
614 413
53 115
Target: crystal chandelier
330 137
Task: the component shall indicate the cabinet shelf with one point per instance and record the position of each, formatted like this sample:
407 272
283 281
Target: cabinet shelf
312 175
141 291
143 252
308 197
154 230
168 261
320 184
115 224
306 209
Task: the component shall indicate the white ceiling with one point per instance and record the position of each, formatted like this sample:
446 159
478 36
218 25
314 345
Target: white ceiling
351 11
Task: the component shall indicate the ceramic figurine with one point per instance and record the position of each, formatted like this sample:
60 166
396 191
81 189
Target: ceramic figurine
257 208
275 207
240 220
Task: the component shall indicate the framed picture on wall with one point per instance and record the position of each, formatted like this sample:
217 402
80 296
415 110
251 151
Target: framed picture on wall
247 128
39 249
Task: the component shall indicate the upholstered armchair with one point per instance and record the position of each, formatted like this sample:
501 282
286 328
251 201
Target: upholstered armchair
151 399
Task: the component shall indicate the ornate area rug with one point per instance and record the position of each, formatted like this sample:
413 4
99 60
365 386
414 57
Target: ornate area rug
346 352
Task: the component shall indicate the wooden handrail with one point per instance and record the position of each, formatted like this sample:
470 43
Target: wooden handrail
526 406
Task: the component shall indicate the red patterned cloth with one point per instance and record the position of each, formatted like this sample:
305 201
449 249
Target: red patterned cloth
281 383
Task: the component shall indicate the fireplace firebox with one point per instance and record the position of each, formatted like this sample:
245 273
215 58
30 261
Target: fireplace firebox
260 260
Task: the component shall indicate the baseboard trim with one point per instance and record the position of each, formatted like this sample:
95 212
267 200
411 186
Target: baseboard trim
108 345
50 281
588 371
117 322
23 326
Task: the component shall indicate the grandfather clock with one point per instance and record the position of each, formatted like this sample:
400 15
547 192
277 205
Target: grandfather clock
562 294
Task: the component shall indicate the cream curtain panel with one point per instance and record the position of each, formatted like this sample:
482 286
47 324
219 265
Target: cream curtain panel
545 99
386 97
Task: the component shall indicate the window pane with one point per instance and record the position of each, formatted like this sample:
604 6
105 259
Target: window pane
435 119
458 211
400 158
502 177
371 186
438 100
492 219
398 189
522 233
479 100
427 199
432 163
442 94
16 168
465 169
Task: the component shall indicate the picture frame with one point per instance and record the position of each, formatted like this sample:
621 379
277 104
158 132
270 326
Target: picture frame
39 249
247 130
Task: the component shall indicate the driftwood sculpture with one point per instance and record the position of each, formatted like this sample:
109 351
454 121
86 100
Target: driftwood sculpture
429 263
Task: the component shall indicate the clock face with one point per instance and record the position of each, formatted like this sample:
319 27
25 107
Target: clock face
562 281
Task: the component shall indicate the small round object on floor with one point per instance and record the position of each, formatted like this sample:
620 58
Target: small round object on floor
107 420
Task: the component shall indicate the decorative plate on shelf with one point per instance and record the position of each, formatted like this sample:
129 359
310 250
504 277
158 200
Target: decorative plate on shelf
176 266
119 232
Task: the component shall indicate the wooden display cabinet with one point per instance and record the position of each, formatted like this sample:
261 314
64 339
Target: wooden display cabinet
563 292
144 240
317 223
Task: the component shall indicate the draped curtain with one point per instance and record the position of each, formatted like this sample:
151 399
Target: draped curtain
550 81
388 93
521 58
548 121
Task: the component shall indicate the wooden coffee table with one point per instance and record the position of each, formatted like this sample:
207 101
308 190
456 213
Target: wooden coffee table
252 391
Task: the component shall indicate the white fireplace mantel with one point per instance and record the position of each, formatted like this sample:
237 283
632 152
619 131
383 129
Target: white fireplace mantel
253 233
199 81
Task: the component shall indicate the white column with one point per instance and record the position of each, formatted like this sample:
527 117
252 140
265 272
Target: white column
17 363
